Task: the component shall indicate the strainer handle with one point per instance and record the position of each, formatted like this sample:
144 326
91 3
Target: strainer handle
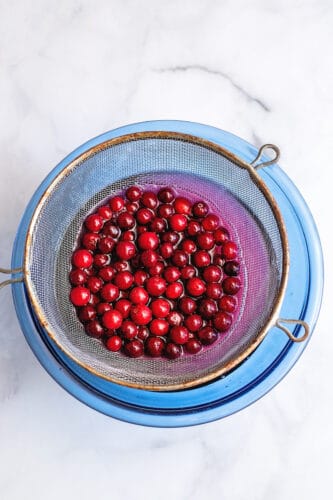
292 337
18 270
266 147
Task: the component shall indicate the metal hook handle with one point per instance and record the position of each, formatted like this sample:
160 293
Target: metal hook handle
293 322
12 280
261 151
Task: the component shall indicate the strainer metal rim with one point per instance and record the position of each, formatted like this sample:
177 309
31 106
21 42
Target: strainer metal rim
184 138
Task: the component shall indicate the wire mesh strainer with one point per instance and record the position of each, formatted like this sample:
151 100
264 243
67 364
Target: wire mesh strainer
190 164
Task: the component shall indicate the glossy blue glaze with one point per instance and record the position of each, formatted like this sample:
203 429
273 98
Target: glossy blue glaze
257 375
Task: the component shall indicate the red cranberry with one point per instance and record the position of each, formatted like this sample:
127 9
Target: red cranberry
94 223
159 327
195 287
123 306
129 329
117 203
101 260
148 241
141 314
141 229
155 286
175 318
155 346
82 258
144 216
128 236
231 268
105 245
94 329
125 220
193 322
193 346
90 240
94 300
180 258
172 351
114 343
174 290
188 272
193 228
124 280
106 273
218 260
110 292
110 230
80 296
201 258
171 274
77 277
166 250
94 284
160 308
200 209
139 295
182 205
102 308
231 285
140 277
179 334
205 240
143 332
158 225
222 321
165 195
149 199
121 265
210 222
227 303
220 235
125 250
213 290
105 212
112 319
188 246
187 305
134 348
229 250
212 274
207 335
165 211
207 308
87 313
178 222
133 193
156 269
170 237
149 258
132 207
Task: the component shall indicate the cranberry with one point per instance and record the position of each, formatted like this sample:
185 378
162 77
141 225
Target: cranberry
149 199
231 268
220 235
212 274
166 250
201 258
165 195
205 240
155 346
123 280
160 308
110 230
218 260
210 222
187 305
182 205
114 343
110 292
102 308
171 274
94 223
178 222
140 277
180 258
105 212
125 250
222 321
200 209
123 306
132 207
165 211
106 273
188 246
94 329
143 332
141 229
148 241
229 250
141 314
133 193
193 228
94 284
82 258
179 334
207 335
121 265
117 203
87 313
193 322
213 290
128 236
174 290
80 296
175 318
173 351
125 220
134 348
90 240
231 285
149 258
144 216
227 303
105 245
193 346
188 272
156 269
207 308
139 295
155 286
170 237
112 319
195 287
159 327
129 329
77 277
94 300
158 225
101 260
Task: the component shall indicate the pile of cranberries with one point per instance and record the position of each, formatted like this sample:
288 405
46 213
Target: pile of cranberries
154 273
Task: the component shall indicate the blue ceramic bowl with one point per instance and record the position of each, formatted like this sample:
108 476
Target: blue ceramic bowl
255 376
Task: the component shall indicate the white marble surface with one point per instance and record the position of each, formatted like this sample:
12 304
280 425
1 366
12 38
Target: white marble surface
71 69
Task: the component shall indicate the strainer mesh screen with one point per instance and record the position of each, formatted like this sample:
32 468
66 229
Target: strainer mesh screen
188 167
